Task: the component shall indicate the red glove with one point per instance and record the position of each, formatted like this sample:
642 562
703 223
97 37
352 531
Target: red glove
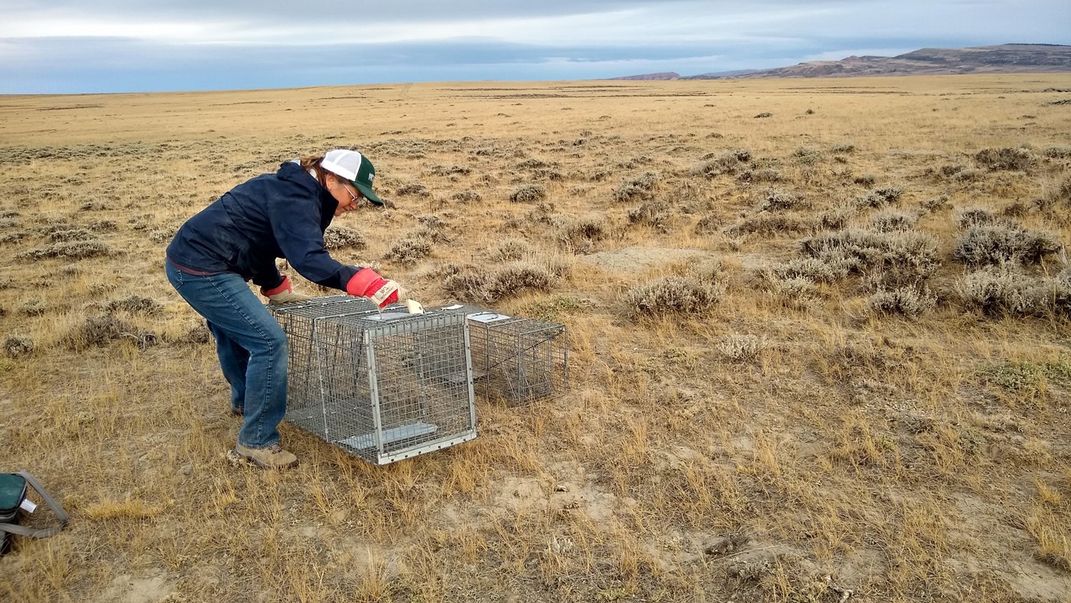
282 293
281 287
368 283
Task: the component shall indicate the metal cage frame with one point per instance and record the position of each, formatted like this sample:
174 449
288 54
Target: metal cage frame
515 359
381 385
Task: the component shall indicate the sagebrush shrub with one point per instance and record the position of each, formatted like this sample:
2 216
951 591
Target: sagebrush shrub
767 174
1061 193
1005 159
725 163
529 193
779 200
135 304
73 234
935 204
481 285
708 225
652 213
902 257
974 216
836 218
638 187
415 189
580 235
1003 290
831 267
673 294
881 197
989 245
97 331
340 237
409 250
467 196
18 347
893 221
767 223
1058 152
909 301
807 156
73 250
741 348
797 291
509 249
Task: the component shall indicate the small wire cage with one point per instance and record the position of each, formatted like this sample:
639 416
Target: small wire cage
515 359
384 386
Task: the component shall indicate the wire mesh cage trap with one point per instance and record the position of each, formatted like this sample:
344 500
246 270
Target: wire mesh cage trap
384 386
515 359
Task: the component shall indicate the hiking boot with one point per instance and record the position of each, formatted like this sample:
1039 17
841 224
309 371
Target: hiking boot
269 457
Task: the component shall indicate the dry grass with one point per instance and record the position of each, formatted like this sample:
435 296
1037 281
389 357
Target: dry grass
867 392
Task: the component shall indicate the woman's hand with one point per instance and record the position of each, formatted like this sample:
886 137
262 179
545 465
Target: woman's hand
368 283
283 293
287 297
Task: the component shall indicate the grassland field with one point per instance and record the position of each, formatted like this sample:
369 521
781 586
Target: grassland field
820 346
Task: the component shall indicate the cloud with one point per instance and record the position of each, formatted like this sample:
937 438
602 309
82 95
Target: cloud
151 45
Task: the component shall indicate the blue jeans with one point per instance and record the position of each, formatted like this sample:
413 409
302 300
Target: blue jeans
251 347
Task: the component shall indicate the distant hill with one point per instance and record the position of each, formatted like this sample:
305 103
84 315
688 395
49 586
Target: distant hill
1005 58
663 75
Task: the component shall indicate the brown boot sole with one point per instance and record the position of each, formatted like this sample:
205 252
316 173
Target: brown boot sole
237 459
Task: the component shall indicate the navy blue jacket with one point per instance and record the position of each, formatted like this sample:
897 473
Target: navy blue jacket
280 215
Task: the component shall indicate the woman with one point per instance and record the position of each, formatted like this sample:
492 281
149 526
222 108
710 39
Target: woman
237 238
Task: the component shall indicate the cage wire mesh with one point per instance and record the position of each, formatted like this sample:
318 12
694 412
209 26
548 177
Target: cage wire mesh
384 386
514 358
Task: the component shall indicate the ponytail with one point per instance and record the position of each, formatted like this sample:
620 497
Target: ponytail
312 165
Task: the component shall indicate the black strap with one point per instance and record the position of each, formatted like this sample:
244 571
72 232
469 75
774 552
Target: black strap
52 504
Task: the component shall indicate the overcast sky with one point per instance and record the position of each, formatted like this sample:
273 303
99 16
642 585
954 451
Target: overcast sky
154 45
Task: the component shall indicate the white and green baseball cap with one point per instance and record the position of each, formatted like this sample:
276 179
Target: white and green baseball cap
354 167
